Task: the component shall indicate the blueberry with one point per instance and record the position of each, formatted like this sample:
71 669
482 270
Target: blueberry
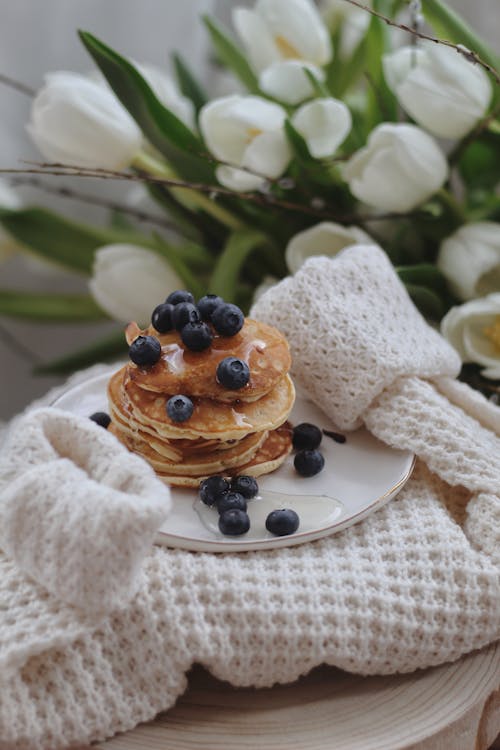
308 463
196 336
246 486
306 437
101 418
231 501
184 313
233 373
179 296
212 488
145 350
227 319
207 304
179 408
162 318
282 522
234 522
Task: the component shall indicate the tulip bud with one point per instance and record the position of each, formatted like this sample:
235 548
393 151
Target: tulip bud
246 131
470 259
129 281
326 238
400 167
473 329
324 124
77 121
288 82
283 30
349 21
439 88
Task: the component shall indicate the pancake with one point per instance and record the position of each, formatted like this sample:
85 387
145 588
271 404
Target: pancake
268 458
173 450
211 462
179 370
146 411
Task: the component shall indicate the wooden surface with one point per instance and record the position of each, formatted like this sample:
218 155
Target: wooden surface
452 707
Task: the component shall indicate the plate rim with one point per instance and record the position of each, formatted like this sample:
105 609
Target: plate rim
195 544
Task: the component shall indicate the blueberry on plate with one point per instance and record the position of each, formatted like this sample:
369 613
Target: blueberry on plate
308 463
212 488
101 418
246 486
227 319
174 298
233 373
282 522
230 501
196 336
184 313
145 350
161 318
179 408
306 436
207 304
234 522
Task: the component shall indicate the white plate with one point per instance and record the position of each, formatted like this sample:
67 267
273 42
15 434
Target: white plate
360 476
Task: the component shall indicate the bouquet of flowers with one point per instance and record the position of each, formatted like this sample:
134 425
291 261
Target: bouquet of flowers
347 124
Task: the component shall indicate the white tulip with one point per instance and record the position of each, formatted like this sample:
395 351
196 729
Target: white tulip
8 199
283 30
439 88
326 238
473 329
246 131
288 82
470 259
353 23
75 120
129 281
400 167
324 124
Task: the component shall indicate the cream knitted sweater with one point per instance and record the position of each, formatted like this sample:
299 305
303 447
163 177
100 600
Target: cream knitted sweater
97 629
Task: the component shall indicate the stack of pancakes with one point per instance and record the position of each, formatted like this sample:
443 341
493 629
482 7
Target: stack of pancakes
230 432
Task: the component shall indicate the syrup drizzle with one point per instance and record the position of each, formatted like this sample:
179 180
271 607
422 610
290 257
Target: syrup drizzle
314 511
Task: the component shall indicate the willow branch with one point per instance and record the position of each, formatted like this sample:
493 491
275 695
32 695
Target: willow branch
17 85
66 192
469 55
268 201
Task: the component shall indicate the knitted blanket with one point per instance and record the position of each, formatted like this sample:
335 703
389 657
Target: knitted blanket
98 628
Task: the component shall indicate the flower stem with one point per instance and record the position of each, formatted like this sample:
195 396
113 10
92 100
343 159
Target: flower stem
452 205
189 198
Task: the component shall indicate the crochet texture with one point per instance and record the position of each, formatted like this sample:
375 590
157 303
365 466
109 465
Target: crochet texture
413 585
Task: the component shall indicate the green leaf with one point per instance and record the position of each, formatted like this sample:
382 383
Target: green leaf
381 102
183 149
188 83
427 300
42 308
298 144
479 164
229 54
343 76
423 274
318 86
449 24
180 266
61 240
227 270
105 349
